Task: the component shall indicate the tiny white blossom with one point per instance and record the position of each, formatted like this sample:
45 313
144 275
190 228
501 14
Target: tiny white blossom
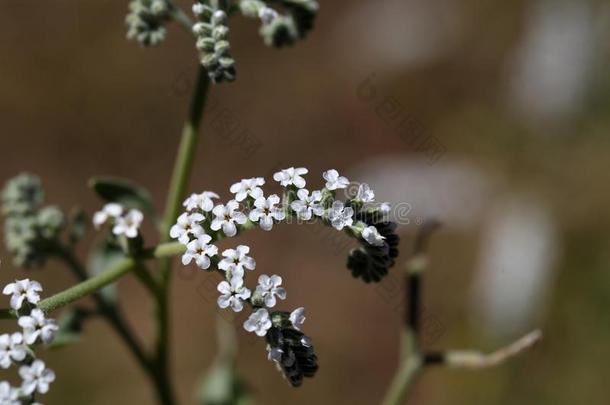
248 188
334 181
385 209
297 318
233 294
22 290
290 176
200 250
258 322
203 201
226 218
307 205
198 28
37 326
12 348
340 216
110 210
8 394
365 194
186 226
235 260
129 224
269 287
266 211
197 9
267 14
372 236
36 377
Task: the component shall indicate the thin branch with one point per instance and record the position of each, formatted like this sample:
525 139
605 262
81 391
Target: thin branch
476 359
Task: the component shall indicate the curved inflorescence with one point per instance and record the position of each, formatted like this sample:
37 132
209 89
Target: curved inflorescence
29 229
18 348
206 221
212 41
146 21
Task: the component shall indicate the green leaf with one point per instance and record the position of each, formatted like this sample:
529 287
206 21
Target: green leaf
104 255
126 193
78 225
70 328
222 386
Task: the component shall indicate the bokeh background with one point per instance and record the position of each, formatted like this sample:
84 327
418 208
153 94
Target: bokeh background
492 116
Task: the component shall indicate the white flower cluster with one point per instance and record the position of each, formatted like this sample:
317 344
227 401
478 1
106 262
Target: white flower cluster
123 222
250 207
16 348
205 221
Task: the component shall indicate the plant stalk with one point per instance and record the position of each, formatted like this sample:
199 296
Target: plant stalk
177 190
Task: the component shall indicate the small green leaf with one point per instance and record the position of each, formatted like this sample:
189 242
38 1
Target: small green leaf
102 257
126 193
78 225
70 328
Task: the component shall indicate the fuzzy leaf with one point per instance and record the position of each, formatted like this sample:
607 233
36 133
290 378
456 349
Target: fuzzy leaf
100 258
126 193
70 328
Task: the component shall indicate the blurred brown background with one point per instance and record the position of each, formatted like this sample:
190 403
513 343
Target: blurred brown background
508 112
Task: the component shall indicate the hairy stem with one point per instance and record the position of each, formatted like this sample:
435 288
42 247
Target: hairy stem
177 190
107 309
108 276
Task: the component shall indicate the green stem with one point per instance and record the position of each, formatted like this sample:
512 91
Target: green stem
411 364
181 18
108 276
177 190
107 309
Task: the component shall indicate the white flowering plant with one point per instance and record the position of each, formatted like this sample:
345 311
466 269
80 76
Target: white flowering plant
190 227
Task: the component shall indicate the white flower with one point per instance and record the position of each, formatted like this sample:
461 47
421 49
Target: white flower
233 294
37 326
226 218
200 250
267 14
110 210
235 260
290 176
22 290
266 211
12 348
128 224
197 8
187 225
269 287
297 318
334 181
385 209
365 194
340 216
258 322
8 394
307 205
372 236
203 201
248 188
36 377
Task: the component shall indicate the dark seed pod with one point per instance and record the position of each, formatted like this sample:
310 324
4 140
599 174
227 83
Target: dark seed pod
293 354
372 263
